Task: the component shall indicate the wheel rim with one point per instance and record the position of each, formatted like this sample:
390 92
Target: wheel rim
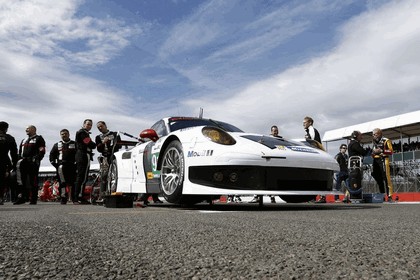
112 179
171 171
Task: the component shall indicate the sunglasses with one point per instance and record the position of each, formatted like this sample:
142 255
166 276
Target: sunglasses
343 148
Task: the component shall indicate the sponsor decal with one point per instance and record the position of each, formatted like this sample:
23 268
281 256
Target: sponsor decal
186 128
203 153
150 175
302 149
281 147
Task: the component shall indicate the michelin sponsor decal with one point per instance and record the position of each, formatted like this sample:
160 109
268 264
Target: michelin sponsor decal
302 149
203 153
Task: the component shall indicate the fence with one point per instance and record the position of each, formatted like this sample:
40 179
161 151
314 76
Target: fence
405 173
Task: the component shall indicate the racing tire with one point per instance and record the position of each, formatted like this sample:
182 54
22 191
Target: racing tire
172 173
297 198
112 184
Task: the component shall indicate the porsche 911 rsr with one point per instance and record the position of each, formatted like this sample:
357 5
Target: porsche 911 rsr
189 159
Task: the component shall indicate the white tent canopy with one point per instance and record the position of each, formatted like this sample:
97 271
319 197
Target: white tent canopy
396 127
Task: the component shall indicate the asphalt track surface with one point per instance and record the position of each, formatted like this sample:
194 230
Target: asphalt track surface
223 241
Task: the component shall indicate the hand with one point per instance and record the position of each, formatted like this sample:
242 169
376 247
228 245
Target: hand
377 151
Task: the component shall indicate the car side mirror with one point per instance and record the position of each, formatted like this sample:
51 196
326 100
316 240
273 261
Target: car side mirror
149 134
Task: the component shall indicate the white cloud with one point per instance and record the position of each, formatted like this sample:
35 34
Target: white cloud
39 82
38 27
47 49
371 73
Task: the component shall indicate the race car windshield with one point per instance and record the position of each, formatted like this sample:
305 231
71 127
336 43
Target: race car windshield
271 142
181 123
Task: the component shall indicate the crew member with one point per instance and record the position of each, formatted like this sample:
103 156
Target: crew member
382 149
355 148
311 132
63 158
107 145
7 146
31 152
342 159
84 155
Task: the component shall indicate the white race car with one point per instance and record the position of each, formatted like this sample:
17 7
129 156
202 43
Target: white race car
188 160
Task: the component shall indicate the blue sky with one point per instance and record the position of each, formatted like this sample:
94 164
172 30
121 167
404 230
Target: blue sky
251 63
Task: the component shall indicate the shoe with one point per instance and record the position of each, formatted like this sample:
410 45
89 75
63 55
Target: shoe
255 200
390 200
321 200
346 200
76 202
273 199
1 202
229 200
19 201
32 203
157 201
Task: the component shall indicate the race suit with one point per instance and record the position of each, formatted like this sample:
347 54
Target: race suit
7 145
31 152
83 157
381 169
63 158
107 150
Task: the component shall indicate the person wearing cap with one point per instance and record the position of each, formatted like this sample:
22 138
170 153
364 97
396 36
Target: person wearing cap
381 150
31 152
342 159
8 156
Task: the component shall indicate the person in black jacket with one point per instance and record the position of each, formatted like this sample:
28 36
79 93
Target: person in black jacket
63 158
84 155
31 152
107 145
7 146
355 148
342 159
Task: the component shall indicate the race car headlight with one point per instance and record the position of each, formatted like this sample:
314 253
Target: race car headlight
218 135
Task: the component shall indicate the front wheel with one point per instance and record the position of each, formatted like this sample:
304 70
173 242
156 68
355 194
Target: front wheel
172 172
112 184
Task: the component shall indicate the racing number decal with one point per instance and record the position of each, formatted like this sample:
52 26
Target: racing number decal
155 172
150 162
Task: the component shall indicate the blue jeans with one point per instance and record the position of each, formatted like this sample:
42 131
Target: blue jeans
340 177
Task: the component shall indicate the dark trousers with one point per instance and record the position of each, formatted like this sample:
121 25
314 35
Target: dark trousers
27 176
379 174
66 176
341 176
3 181
82 166
104 169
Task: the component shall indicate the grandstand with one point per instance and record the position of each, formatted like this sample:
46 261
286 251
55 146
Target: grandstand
404 131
